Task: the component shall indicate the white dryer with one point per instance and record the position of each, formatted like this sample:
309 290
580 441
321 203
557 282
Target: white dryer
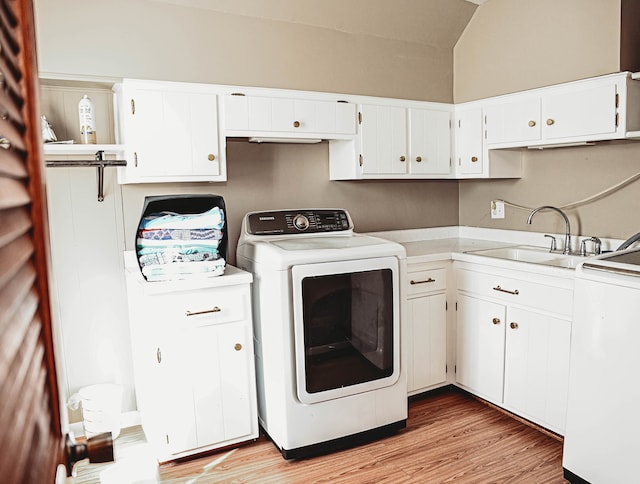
327 308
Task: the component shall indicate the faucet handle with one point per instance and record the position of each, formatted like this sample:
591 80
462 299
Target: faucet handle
597 248
597 245
553 242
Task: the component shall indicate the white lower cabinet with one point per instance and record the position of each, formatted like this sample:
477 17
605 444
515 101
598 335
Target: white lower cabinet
480 346
537 366
193 362
426 329
513 340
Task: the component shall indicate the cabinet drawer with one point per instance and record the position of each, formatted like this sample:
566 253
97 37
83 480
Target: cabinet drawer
288 115
425 281
545 297
203 307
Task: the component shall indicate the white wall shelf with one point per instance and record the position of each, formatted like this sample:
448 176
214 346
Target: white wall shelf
98 161
73 149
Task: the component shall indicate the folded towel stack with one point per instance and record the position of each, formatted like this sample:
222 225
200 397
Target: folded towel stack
174 246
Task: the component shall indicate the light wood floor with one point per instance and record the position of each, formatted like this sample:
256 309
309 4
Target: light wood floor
450 437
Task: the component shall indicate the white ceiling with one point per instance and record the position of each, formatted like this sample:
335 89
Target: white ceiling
437 23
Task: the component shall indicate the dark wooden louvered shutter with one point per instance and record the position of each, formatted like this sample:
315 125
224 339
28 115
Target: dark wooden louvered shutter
31 443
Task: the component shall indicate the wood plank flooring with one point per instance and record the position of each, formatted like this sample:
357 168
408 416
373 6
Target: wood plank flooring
450 438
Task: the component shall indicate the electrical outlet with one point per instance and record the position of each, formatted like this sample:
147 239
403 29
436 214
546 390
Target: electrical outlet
497 209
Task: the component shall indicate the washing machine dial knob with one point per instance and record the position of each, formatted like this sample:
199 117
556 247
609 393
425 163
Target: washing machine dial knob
301 222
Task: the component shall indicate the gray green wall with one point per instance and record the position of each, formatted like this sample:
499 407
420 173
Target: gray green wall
359 46
372 48
513 45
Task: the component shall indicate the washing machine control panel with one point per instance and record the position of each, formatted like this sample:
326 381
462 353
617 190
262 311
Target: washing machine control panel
307 221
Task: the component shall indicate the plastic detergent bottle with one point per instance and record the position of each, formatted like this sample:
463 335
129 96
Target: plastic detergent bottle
86 113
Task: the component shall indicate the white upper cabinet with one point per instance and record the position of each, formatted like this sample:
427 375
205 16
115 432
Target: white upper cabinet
473 159
255 115
170 132
601 108
383 140
591 112
468 136
396 141
513 121
430 141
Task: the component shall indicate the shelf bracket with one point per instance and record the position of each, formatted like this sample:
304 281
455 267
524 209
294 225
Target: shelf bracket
99 162
100 157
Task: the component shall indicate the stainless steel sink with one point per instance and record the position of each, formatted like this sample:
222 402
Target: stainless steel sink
530 254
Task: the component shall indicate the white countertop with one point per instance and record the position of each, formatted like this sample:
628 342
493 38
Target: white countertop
454 243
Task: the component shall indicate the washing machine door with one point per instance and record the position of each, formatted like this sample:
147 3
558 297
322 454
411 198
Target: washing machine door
346 327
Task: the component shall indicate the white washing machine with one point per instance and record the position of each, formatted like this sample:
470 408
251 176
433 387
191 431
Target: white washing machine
601 441
326 305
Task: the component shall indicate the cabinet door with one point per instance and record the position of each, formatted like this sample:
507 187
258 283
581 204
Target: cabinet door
163 389
469 141
480 335
175 407
383 140
247 113
574 113
426 341
205 149
537 366
430 142
144 127
190 135
311 116
171 135
220 356
235 352
513 122
286 115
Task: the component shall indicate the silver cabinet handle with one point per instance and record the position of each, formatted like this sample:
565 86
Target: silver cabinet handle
413 283
214 309
499 289
159 355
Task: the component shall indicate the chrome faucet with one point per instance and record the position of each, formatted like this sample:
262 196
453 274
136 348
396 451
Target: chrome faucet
567 234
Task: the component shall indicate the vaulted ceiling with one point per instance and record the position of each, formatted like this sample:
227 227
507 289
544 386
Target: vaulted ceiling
437 23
